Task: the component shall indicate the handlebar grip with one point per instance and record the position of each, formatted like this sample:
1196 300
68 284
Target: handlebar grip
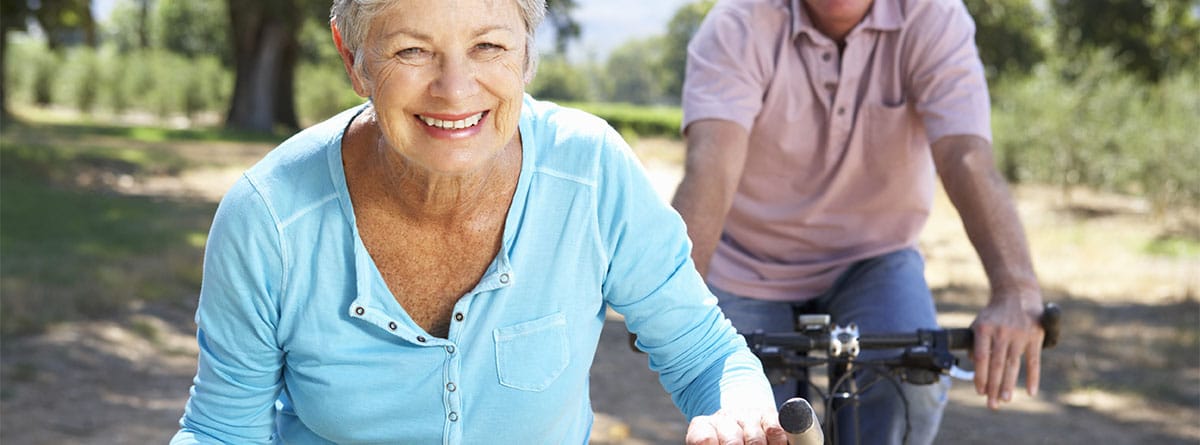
1051 316
797 417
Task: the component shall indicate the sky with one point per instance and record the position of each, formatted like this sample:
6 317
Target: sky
605 24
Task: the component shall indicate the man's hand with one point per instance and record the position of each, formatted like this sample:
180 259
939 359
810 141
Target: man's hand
737 427
1004 331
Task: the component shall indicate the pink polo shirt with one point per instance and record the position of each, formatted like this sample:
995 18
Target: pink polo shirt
839 166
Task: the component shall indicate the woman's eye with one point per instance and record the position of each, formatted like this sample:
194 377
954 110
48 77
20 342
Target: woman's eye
488 47
410 53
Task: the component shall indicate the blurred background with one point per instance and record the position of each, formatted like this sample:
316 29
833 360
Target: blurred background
124 122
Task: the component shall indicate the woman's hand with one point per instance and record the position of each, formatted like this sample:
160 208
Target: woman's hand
737 427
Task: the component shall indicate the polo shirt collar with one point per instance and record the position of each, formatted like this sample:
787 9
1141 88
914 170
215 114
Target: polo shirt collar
885 15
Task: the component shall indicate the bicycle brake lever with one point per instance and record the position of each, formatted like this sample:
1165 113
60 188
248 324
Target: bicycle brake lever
961 374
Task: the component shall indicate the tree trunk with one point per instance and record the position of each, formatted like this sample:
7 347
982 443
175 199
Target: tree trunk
143 30
265 46
4 115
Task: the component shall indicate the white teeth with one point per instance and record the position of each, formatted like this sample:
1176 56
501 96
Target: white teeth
452 125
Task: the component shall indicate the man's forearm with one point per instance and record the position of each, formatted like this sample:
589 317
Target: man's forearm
715 158
981 196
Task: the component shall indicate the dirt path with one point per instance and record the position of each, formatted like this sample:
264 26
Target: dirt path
125 381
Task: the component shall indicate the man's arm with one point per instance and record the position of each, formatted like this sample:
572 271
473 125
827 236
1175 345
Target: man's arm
716 156
1007 327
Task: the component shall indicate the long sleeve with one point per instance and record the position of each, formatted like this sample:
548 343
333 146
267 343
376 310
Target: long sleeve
238 378
701 360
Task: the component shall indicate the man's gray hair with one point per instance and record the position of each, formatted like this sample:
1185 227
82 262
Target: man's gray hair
354 17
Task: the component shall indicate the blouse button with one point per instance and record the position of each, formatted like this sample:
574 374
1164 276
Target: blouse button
826 57
451 387
450 349
504 278
392 325
453 416
458 316
421 338
359 310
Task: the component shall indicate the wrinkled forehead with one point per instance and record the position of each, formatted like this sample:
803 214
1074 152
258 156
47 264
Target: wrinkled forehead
458 15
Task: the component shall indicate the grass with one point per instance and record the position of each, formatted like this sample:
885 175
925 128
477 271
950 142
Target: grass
73 247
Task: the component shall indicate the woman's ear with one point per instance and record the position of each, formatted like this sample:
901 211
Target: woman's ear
348 60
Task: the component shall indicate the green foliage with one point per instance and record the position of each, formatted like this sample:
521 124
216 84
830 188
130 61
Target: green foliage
193 27
680 29
86 79
129 25
633 73
323 90
1085 122
79 86
1152 38
1006 32
559 80
1173 247
316 43
636 120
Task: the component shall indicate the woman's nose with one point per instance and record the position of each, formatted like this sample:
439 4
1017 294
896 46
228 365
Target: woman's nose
456 79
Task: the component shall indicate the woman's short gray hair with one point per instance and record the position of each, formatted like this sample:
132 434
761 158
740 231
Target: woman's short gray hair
353 19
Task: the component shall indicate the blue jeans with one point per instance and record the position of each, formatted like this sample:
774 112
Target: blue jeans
882 294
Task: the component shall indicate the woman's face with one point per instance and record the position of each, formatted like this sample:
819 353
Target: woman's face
446 78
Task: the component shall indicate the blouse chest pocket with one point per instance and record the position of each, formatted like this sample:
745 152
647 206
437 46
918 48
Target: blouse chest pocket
531 355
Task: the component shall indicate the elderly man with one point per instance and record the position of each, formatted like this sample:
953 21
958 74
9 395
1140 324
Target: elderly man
814 130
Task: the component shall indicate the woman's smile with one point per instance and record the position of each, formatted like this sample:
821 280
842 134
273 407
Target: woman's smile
444 126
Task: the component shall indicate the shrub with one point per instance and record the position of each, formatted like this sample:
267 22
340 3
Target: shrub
638 120
1086 123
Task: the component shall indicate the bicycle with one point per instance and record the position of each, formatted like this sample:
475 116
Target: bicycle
925 358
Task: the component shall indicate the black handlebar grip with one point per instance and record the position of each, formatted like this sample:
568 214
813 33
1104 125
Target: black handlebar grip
797 417
964 338
1051 316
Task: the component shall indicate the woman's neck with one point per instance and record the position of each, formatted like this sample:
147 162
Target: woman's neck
428 196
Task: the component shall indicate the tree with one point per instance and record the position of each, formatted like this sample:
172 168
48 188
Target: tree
558 12
13 14
193 27
680 29
66 22
1149 37
558 80
63 21
634 74
1006 32
265 49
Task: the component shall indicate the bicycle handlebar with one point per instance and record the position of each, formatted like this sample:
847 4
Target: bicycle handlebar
955 338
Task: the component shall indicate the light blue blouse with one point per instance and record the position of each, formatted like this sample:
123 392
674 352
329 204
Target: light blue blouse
302 342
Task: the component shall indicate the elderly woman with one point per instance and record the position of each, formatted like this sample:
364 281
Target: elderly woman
435 266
